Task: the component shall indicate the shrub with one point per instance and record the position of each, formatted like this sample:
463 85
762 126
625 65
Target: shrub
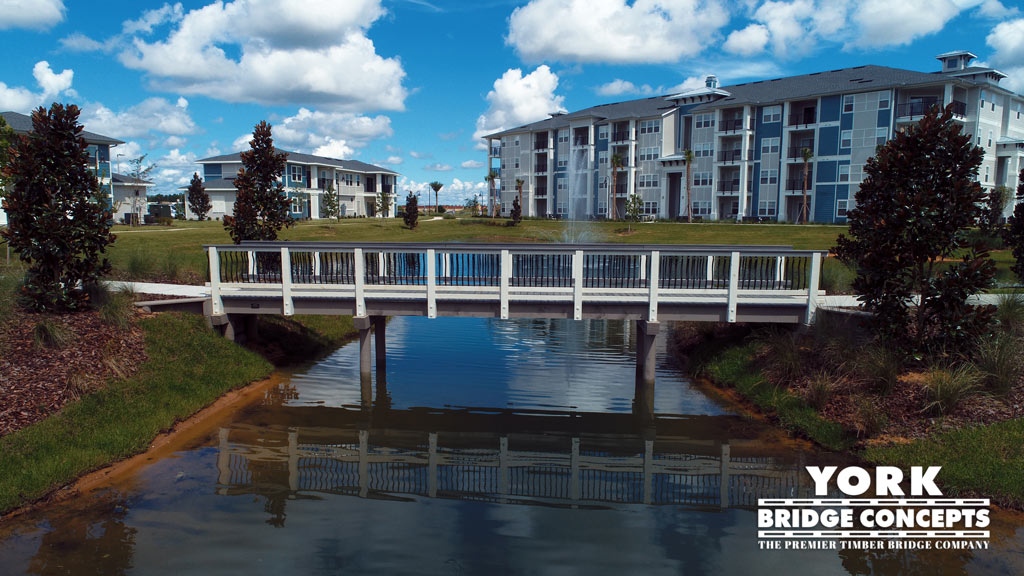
836 277
412 211
819 391
870 419
836 334
51 334
140 265
448 216
783 351
118 308
998 359
1009 313
165 220
880 366
261 205
946 388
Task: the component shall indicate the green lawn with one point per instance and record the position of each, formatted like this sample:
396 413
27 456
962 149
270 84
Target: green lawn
189 367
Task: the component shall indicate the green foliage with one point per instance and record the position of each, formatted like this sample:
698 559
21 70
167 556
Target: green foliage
1013 235
412 211
999 360
836 277
819 390
261 205
330 207
946 388
49 333
7 139
58 220
869 417
992 214
383 203
117 308
441 209
517 212
473 205
436 187
783 353
919 195
198 200
634 210
880 366
1009 313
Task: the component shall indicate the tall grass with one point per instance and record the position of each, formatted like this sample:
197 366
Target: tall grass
1010 313
820 389
783 351
1000 360
50 333
10 282
880 366
836 277
947 388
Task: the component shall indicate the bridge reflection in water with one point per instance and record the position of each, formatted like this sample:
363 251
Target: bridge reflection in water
554 458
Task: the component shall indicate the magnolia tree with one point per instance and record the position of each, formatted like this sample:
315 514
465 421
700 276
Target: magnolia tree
919 196
1014 233
412 211
198 199
58 218
261 205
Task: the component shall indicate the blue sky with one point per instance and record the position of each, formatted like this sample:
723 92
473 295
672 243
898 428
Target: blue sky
411 84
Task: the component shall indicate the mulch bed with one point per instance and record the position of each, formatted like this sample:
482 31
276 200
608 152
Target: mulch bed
36 382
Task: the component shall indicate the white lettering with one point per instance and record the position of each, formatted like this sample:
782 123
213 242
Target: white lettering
821 477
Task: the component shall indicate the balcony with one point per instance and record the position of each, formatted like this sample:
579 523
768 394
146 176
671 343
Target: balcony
959 108
540 144
732 186
798 151
495 150
910 109
797 184
541 192
734 155
805 117
580 142
620 136
735 125
540 168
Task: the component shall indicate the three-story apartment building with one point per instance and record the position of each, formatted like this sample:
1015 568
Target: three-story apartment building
749 144
306 180
97 146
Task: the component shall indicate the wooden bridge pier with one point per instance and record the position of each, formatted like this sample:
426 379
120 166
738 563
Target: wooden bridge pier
646 363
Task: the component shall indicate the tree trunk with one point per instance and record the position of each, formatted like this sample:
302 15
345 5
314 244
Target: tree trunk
689 203
806 166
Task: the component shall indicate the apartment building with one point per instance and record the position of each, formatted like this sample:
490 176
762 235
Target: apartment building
98 148
306 180
130 198
748 143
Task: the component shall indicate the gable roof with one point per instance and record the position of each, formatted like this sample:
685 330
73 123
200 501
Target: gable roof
300 158
127 180
23 124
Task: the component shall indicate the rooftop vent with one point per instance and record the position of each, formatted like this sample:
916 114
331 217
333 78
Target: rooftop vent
711 81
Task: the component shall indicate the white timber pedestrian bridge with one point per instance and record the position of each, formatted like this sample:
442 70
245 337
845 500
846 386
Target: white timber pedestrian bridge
642 282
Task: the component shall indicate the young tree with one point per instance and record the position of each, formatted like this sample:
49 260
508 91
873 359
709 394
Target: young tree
616 163
519 193
1013 235
412 211
329 201
198 199
634 210
688 155
992 213
473 205
7 139
517 212
383 204
806 154
261 206
138 170
58 220
436 187
491 177
919 196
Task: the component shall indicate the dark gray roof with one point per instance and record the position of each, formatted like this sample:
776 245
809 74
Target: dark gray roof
217 184
353 165
845 80
23 124
125 179
642 108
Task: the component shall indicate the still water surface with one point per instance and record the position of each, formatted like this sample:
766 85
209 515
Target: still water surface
489 447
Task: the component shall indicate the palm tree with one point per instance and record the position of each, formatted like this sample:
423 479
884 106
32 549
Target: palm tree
519 189
491 177
688 156
436 187
616 162
806 154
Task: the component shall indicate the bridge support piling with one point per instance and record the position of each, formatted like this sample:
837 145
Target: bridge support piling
380 343
363 325
646 334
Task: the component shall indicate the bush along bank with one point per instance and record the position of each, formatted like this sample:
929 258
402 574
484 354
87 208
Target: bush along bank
833 384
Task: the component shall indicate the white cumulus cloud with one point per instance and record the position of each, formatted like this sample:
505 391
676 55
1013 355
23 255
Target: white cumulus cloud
614 31
1007 39
37 14
748 41
620 87
310 130
472 164
517 99
50 84
274 52
151 115
885 23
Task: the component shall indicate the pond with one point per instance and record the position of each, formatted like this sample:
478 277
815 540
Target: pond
488 447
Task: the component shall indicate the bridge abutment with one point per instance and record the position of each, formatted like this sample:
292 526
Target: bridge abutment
646 362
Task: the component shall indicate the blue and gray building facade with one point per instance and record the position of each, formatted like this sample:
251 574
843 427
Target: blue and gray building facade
307 180
748 143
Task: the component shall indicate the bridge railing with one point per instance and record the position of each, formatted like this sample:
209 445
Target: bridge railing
570 273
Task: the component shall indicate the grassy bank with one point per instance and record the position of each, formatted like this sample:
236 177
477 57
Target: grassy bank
188 368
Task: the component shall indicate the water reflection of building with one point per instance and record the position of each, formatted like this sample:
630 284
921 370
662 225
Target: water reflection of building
503 456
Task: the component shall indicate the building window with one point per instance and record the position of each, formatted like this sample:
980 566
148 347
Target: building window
296 204
563 136
563 163
989 138
651 208
602 133
772 114
602 208
647 181
770 145
651 126
766 208
844 173
702 208
560 184
881 134
848 103
846 139
704 120
841 208
296 173
602 158
649 153
602 184
561 208
517 163
769 176
883 102
986 173
702 178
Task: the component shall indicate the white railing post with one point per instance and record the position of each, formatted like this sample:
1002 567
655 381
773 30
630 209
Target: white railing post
431 283
812 287
316 264
652 298
217 303
506 276
287 305
711 270
780 267
577 285
734 281
251 256
360 283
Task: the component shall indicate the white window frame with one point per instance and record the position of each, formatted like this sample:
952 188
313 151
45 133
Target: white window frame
772 114
770 145
844 173
602 158
296 173
769 177
881 135
767 208
847 103
602 133
841 208
847 137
